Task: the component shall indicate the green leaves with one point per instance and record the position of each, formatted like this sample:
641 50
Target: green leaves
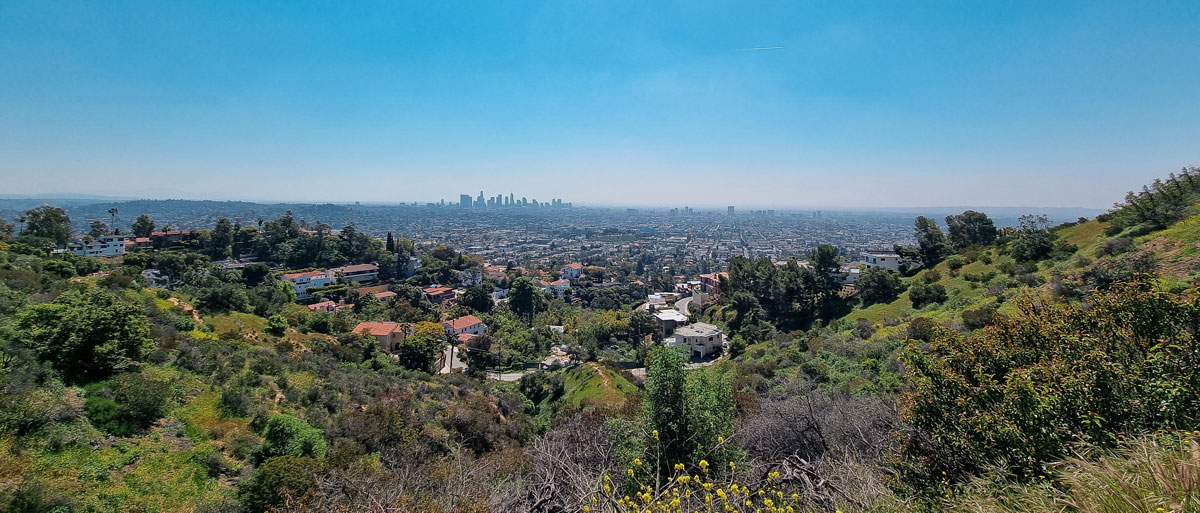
86 335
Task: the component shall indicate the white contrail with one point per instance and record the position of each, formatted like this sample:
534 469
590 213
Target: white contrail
764 48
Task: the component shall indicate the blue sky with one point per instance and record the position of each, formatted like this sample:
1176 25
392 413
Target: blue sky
867 103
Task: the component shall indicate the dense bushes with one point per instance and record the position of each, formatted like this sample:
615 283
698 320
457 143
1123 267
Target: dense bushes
86 335
1019 392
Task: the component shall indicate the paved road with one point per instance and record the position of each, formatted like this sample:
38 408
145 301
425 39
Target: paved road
683 304
450 357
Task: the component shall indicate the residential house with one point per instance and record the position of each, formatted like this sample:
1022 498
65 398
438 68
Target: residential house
465 328
105 245
700 339
557 287
711 283
323 306
389 334
306 280
667 319
572 270
357 273
438 294
884 259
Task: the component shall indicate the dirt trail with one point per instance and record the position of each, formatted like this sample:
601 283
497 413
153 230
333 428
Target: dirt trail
186 308
606 381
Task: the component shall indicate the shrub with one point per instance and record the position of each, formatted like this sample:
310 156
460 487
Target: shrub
1024 389
275 480
978 317
922 294
286 435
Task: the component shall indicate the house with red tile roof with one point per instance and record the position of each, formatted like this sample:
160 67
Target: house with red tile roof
303 281
572 270
466 325
438 294
389 334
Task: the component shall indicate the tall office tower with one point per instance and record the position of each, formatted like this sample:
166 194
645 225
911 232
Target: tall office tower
464 201
730 209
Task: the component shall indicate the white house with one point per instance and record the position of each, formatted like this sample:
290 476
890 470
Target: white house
558 287
304 281
106 245
884 259
572 271
700 339
465 327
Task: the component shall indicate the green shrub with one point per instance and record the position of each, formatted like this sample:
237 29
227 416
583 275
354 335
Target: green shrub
286 435
1021 391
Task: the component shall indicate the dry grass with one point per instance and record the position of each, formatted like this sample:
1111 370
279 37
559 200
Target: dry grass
1146 475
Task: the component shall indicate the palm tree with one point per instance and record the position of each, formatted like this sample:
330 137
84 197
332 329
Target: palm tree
113 225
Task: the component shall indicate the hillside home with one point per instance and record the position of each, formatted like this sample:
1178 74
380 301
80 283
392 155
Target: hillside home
306 280
572 270
106 245
465 328
700 339
389 334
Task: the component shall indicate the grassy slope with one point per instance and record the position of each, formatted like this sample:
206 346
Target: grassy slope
595 385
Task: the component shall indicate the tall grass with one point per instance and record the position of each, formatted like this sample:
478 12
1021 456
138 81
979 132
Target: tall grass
1149 474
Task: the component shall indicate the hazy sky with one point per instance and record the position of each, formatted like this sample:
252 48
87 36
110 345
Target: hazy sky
1042 103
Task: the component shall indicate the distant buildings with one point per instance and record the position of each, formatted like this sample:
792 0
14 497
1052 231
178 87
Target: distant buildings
731 210
557 287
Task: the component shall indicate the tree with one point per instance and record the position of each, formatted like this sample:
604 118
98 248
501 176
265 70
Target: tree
254 274
221 241
391 243
86 335
1034 241
277 325
524 297
664 407
113 221
641 323
477 298
824 261
276 480
421 349
143 226
970 228
48 223
97 229
930 241
286 435
5 228
879 285
922 294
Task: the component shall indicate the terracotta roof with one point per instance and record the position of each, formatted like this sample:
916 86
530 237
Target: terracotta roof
575 265
436 290
378 328
322 305
385 294
556 283
355 268
462 323
466 337
310 274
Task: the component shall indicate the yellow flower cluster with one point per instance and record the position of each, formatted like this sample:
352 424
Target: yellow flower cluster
686 493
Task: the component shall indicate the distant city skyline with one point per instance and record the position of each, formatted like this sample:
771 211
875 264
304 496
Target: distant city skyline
876 104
